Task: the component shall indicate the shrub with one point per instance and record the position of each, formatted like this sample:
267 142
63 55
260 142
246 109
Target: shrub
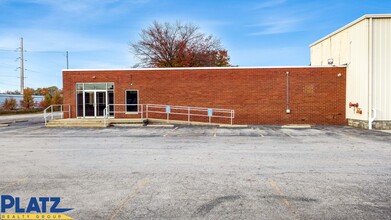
28 100
9 104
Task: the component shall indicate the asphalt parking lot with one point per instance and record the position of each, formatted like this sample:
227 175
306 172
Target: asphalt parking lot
260 172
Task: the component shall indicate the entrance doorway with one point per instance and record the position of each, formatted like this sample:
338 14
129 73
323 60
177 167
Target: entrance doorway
93 98
95 103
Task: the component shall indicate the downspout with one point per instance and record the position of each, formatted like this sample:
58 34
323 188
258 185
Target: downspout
370 75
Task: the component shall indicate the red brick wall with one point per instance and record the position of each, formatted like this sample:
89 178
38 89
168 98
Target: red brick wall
258 95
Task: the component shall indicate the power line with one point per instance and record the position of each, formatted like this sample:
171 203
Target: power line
9 84
45 51
8 76
8 49
6 64
29 70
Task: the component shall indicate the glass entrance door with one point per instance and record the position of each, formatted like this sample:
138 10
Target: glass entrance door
100 100
94 103
89 104
93 98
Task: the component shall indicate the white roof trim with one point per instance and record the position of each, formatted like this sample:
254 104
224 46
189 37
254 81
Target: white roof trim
367 16
199 68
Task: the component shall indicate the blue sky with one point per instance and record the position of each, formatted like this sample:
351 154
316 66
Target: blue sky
97 32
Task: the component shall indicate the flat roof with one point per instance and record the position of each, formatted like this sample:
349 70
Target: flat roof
367 16
201 68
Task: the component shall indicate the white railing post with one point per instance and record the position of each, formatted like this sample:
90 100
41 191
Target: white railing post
188 115
146 111
44 115
232 115
104 117
62 113
51 107
142 112
107 117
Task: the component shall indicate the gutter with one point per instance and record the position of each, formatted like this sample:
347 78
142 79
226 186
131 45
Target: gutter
370 75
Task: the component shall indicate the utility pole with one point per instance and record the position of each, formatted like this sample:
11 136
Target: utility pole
21 66
67 60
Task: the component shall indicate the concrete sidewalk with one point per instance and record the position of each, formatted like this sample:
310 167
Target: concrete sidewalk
33 117
16 117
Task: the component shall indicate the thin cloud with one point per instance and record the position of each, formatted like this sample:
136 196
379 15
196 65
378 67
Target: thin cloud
89 6
268 4
46 39
277 27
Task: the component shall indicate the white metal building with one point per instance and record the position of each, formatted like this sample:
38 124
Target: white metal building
364 46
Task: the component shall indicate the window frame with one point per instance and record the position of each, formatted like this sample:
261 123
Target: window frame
126 99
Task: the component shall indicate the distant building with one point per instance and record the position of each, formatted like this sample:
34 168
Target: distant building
18 98
364 46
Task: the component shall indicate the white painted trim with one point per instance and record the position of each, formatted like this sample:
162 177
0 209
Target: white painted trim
367 16
200 68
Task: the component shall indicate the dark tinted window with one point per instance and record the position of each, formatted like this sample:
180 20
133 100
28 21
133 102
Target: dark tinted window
131 101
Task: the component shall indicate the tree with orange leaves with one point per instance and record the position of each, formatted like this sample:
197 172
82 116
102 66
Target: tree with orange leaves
28 100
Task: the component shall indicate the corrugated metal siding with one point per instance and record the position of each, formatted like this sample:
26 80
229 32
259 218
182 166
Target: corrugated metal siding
336 47
357 71
349 46
382 68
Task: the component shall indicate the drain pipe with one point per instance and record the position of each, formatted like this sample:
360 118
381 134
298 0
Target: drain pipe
370 74
372 119
288 108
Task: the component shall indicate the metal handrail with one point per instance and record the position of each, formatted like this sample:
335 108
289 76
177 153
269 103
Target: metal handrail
50 115
107 112
191 111
140 109
168 110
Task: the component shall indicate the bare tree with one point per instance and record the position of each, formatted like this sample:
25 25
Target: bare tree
169 45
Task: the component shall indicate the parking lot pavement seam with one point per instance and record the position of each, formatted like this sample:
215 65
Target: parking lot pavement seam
260 132
282 198
170 131
287 134
141 184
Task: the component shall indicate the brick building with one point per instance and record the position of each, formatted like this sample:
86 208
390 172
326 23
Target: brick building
258 95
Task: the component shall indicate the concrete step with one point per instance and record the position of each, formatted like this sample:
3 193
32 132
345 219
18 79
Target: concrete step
128 125
75 126
86 123
68 122
96 122
128 121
